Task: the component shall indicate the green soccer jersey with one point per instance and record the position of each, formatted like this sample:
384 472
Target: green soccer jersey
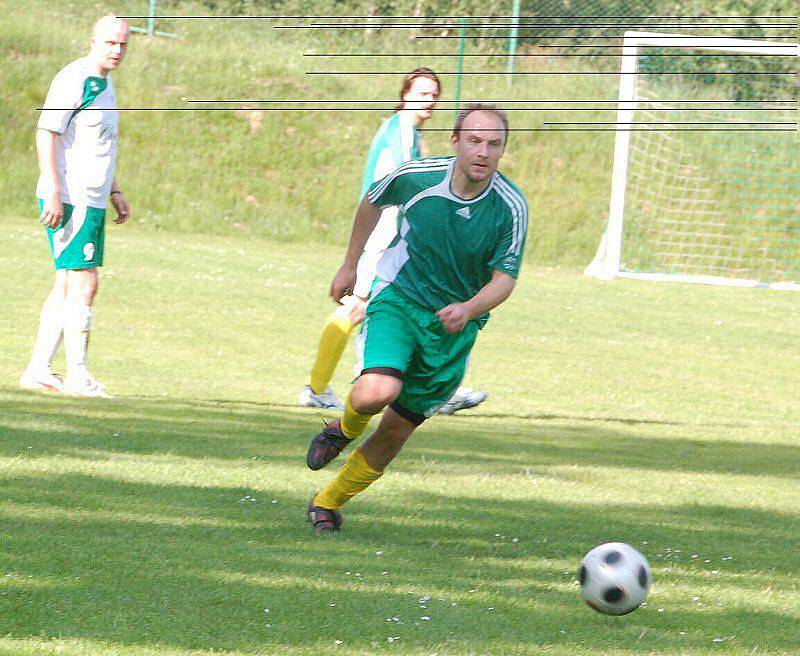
447 247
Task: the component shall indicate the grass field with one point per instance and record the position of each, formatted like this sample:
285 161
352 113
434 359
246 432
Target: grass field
169 520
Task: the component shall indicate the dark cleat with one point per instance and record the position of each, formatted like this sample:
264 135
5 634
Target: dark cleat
323 520
326 446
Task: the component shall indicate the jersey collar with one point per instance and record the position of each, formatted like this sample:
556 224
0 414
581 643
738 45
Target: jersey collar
447 184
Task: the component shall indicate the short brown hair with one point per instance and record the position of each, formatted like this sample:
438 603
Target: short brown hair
480 107
408 80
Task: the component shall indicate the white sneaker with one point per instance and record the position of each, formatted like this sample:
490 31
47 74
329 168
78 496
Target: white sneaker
326 399
38 379
85 386
102 386
465 397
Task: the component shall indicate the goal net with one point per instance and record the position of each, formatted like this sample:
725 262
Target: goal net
706 183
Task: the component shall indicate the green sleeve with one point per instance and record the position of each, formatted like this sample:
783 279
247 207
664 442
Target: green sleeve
393 189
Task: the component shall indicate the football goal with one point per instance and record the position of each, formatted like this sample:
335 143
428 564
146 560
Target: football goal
706 181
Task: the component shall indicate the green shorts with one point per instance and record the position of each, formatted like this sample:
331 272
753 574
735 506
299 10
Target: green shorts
78 242
402 335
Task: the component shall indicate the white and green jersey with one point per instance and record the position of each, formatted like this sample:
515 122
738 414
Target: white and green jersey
395 142
81 108
447 247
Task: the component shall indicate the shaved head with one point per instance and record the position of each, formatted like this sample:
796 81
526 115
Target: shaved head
109 23
109 43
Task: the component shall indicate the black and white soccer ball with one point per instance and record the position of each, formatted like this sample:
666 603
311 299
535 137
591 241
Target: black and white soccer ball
615 578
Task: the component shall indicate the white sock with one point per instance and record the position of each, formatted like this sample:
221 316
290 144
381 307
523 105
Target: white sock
77 324
51 327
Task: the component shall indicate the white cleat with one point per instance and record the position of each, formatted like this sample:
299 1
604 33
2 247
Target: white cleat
465 397
327 399
41 379
85 386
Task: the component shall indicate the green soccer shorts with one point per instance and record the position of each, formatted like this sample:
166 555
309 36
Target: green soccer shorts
400 334
78 242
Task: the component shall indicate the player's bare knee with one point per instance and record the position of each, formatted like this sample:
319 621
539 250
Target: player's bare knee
372 400
87 291
82 285
383 396
372 392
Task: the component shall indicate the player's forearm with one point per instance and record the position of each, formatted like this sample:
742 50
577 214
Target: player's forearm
497 290
46 152
366 219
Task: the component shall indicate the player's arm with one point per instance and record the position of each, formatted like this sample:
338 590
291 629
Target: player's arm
63 97
52 207
366 219
120 203
456 315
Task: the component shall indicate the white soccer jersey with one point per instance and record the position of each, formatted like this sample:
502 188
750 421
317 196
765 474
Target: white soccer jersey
81 108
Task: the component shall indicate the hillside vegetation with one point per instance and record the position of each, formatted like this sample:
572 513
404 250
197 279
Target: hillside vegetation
291 171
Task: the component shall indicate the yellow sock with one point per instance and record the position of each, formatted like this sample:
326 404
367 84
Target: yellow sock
331 346
355 476
352 423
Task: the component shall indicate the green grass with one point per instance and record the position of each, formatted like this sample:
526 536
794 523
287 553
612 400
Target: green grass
661 415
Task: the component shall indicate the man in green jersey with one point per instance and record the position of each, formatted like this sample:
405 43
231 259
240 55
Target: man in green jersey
456 256
76 142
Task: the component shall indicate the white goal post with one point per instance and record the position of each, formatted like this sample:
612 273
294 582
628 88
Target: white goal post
714 253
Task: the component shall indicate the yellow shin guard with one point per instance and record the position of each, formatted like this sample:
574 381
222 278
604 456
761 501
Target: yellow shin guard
331 346
355 476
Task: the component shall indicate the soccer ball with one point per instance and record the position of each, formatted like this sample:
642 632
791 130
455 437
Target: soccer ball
614 578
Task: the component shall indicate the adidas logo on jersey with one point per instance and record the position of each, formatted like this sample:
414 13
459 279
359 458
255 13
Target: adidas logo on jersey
463 212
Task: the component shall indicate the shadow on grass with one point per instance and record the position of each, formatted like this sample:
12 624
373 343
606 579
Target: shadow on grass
88 555
231 430
189 566
629 421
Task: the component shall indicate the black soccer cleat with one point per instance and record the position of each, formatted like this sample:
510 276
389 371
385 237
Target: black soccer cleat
323 520
326 446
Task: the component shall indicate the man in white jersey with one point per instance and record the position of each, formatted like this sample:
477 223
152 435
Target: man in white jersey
396 142
76 143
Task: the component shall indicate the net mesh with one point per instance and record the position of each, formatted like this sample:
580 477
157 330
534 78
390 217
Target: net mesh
712 184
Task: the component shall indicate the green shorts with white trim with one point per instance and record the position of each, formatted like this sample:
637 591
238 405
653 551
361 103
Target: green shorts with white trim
78 242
